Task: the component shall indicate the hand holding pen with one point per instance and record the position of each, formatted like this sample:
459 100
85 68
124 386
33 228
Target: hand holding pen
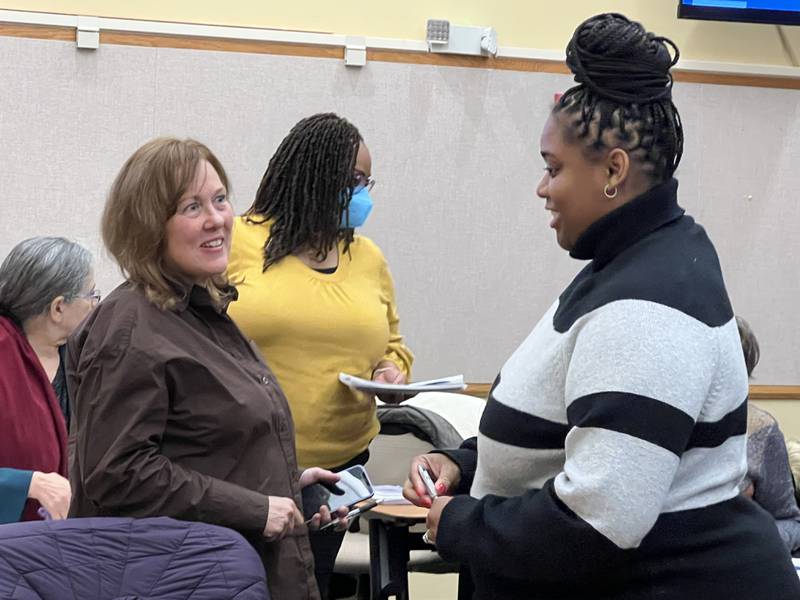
358 510
443 476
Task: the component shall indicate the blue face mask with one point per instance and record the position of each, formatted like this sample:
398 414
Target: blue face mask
358 210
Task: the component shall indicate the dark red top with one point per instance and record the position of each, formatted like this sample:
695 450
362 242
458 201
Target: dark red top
34 435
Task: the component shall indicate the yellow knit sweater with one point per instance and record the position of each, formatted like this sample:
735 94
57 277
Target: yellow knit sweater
309 327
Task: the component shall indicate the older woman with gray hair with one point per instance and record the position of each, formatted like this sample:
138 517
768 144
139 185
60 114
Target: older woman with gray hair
46 290
769 480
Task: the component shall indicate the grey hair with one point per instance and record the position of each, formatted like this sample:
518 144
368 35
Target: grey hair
750 347
37 271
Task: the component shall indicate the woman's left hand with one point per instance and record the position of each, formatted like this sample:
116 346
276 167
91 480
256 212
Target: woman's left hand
388 372
315 474
434 516
324 516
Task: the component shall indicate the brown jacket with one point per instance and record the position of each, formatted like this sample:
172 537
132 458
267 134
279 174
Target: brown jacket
175 414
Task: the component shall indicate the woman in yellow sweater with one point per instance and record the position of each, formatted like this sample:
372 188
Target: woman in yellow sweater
318 299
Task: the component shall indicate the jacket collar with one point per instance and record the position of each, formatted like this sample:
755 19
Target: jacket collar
620 229
191 294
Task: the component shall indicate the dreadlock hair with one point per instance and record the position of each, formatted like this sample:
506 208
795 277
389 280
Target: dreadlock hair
307 187
624 94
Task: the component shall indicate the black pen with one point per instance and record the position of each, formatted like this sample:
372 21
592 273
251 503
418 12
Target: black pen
355 512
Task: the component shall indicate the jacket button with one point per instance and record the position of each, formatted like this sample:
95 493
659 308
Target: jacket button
265 380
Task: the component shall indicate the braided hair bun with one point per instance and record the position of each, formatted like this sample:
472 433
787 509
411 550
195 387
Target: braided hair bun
624 92
617 59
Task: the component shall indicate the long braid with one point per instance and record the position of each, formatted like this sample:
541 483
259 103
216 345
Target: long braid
624 92
306 188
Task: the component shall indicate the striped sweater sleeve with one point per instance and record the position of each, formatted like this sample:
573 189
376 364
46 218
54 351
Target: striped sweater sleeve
466 457
638 375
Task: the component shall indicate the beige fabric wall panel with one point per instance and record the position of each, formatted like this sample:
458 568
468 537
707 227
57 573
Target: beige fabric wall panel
455 154
67 120
739 179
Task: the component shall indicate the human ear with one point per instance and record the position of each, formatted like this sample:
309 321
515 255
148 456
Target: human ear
618 165
56 309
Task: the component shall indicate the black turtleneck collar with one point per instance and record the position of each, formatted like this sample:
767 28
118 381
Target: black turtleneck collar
621 228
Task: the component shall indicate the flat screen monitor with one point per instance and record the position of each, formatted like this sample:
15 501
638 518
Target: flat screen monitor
778 12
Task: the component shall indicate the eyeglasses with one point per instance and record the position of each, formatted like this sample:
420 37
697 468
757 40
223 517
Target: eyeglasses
94 296
361 181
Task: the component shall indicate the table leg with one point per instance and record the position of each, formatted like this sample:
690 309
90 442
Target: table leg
388 559
466 589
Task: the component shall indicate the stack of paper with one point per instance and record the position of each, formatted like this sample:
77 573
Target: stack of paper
390 494
445 384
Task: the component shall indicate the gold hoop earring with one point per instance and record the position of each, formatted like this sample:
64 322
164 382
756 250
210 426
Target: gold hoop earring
608 194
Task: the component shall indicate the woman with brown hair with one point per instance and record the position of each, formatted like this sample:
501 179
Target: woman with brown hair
175 413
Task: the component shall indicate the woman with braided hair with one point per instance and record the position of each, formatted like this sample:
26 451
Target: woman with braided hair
613 442
318 299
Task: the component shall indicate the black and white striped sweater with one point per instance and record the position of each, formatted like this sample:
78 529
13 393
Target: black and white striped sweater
614 438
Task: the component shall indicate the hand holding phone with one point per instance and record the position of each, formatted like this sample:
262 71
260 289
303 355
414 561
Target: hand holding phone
353 487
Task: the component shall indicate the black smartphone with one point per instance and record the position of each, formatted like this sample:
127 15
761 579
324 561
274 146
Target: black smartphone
353 487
